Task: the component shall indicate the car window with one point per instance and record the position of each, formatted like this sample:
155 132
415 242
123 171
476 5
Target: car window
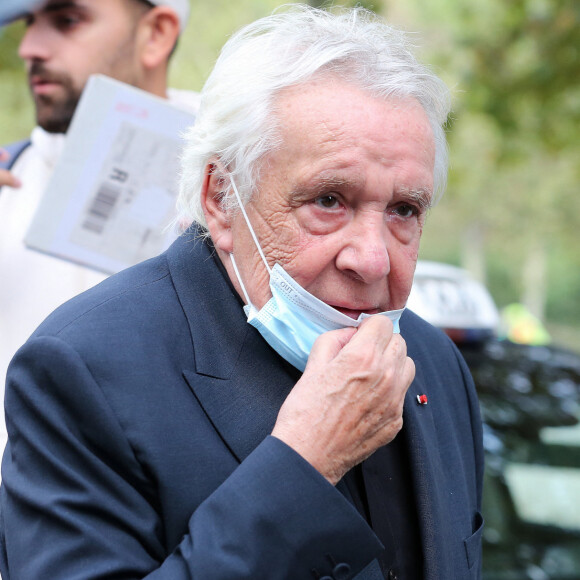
544 494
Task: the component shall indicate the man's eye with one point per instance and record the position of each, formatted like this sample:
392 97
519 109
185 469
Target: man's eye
65 21
406 210
327 202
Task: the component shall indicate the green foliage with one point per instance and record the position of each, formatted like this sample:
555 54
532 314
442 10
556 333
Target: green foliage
521 59
564 274
16 115
327 4
9 40
210 25
514 137
200 44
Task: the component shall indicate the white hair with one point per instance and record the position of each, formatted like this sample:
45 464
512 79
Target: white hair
237 124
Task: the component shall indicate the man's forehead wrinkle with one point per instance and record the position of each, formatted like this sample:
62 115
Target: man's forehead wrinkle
325 181
332 129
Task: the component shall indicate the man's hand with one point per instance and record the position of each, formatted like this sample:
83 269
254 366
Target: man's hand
349 401
7 178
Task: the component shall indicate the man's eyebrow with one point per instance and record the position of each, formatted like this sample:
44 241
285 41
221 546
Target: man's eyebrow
60 5
422 197
323 185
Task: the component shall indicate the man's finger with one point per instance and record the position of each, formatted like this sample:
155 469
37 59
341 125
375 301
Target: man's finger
329 344
409 371
9 179
376 331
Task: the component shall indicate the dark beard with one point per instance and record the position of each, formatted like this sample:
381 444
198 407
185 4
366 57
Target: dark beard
53 115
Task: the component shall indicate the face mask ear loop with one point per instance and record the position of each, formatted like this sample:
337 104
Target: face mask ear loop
249 226
248 301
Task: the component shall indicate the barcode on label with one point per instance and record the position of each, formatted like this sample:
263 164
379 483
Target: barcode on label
102 208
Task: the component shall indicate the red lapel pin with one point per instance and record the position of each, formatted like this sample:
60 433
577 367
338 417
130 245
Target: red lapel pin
422 399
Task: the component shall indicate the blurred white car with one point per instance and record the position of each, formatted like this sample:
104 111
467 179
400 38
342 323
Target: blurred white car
449 298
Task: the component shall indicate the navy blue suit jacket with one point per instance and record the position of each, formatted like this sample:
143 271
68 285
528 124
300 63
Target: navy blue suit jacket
139 416
15 150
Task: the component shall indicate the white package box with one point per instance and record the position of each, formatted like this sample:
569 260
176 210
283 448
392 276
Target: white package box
111 199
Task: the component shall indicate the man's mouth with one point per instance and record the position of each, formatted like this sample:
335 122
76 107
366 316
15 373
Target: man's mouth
354 313
42 85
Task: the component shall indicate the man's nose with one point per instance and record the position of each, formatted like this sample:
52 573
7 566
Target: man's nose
365 254
35 45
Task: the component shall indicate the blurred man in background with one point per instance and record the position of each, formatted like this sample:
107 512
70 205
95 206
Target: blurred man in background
66 42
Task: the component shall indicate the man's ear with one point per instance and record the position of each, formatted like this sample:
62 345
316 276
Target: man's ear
217 218
158 33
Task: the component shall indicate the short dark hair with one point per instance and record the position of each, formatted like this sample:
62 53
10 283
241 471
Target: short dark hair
145 6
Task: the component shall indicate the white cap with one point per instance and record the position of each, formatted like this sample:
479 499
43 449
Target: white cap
181 7
16 9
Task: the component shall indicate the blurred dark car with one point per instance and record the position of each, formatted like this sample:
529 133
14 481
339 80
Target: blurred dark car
530 404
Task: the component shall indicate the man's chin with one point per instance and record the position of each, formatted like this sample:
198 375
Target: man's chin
54 127
54 123
54 116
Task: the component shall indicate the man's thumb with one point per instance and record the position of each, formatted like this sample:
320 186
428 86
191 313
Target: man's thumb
328 345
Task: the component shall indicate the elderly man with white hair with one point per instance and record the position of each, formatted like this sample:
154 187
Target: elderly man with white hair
256 402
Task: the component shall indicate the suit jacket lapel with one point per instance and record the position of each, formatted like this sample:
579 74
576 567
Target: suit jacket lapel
423 453
237 378
426 473
244 409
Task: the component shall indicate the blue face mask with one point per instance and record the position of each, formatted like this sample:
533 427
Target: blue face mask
293 318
